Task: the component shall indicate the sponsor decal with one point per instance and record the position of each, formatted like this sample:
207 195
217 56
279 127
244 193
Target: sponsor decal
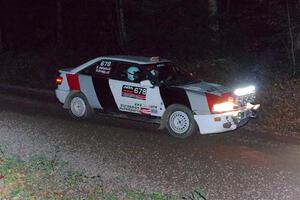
138 108
130 108
104 67
145 111
134 92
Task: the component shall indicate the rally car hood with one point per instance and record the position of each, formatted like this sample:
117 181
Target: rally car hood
205 87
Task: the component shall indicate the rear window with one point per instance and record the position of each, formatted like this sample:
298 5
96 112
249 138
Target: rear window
101 68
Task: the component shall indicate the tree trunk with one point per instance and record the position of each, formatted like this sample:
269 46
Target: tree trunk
228 6
297 46
214 26
59 21
1 39
213 15
121 24
1 27
291 38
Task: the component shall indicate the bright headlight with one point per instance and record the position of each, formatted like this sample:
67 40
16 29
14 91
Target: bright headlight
244 91
224 107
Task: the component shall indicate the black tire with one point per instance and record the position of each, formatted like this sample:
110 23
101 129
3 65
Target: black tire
186 125
82 101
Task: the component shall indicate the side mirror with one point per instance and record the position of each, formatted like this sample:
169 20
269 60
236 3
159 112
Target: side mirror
146 83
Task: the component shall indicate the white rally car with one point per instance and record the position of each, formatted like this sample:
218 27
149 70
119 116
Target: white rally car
154 90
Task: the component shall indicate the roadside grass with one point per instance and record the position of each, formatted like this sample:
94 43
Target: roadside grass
41 178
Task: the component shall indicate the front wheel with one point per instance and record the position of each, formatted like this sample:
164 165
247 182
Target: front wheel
180 121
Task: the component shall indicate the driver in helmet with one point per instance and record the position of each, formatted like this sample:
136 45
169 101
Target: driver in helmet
132 73
153 75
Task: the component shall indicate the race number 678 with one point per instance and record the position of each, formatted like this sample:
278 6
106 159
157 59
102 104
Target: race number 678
142 91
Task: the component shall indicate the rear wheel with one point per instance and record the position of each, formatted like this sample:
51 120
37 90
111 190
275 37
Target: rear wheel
79 107
179 121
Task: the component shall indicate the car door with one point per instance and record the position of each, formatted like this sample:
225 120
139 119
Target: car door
134 97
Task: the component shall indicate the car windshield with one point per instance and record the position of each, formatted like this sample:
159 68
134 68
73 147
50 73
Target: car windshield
168 74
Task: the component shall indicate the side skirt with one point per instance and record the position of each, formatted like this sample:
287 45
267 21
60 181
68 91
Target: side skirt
129 116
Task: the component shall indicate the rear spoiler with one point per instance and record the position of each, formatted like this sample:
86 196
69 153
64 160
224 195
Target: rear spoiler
65 70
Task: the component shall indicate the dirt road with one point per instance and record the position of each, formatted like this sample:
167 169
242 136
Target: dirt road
235 165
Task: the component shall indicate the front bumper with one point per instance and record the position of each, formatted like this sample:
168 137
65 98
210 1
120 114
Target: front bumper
218 123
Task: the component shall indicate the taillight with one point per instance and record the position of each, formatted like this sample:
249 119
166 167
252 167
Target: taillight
58 80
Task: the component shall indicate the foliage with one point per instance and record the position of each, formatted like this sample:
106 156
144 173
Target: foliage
139 195
279 103
196 194
41 178
37 178
168 28
37 68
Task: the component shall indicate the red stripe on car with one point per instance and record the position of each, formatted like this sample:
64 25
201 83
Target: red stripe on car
214 99
73 81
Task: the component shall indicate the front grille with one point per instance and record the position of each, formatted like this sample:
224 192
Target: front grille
243 100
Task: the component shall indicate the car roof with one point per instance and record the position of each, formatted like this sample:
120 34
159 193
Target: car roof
137 59
141 60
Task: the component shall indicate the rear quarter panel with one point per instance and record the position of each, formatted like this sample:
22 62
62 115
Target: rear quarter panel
87 87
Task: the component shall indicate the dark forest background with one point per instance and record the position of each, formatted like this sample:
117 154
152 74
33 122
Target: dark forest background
263 29
224 41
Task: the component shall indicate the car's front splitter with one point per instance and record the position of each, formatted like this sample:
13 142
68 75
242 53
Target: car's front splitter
218 123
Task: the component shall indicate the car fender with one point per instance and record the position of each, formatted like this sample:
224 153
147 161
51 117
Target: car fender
68 98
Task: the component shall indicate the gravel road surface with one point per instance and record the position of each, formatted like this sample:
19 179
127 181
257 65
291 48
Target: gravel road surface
127 154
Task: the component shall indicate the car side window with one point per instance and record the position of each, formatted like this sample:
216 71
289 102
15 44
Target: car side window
130 72
100 69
